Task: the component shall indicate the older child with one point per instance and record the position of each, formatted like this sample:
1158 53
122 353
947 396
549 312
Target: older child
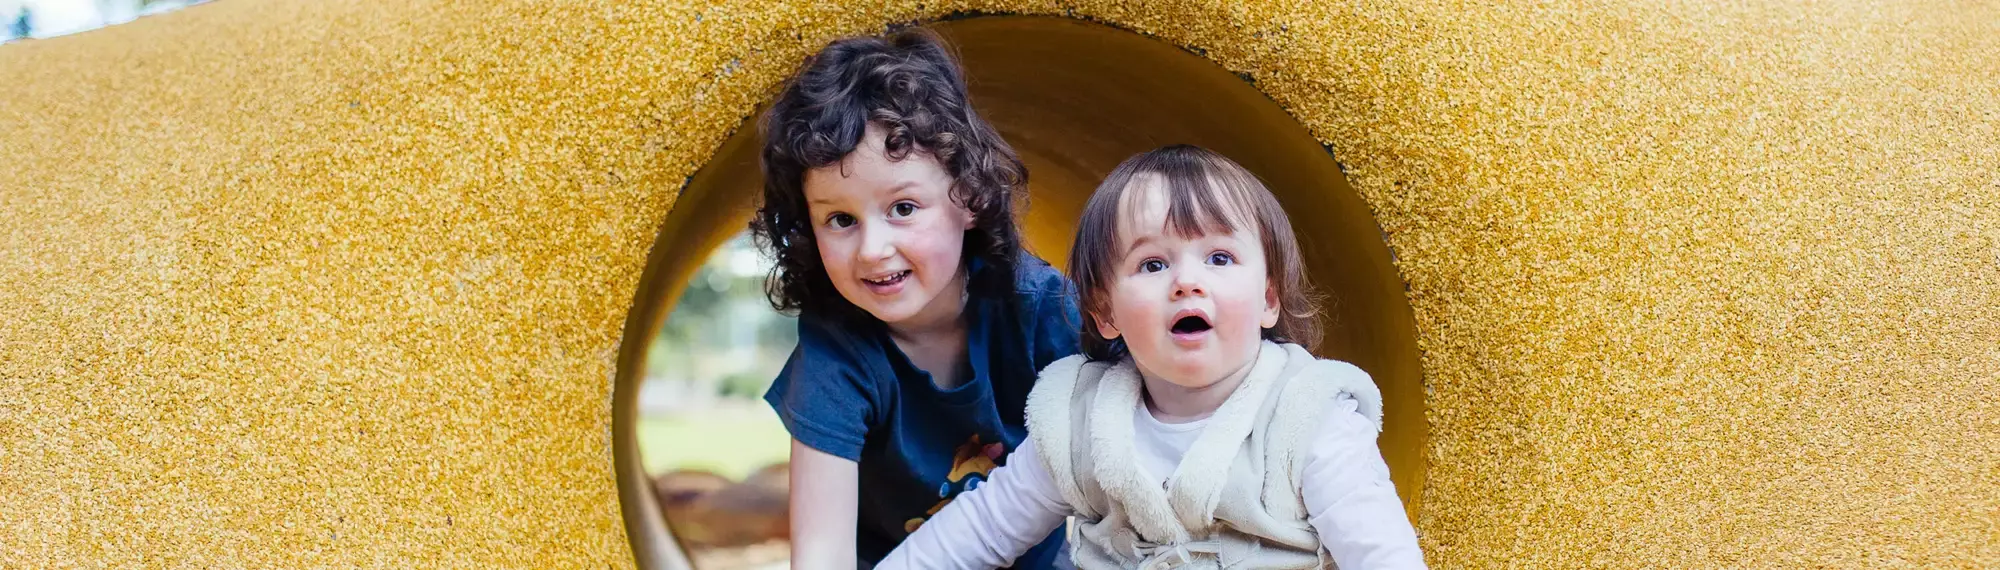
1193 431
888 205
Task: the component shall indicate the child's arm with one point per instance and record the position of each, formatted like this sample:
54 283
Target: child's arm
830 404
825 491
990 525
1350 499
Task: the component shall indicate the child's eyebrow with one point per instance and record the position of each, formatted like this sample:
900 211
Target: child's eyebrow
1137 243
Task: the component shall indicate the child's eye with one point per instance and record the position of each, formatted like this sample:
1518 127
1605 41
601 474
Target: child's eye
840 220
1152 266
1221 258
903 209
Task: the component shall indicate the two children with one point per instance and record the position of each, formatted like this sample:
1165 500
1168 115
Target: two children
1191 429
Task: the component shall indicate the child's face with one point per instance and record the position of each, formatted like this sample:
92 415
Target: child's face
1191 310
889 234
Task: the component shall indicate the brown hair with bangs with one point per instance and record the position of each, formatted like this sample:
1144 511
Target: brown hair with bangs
1206 192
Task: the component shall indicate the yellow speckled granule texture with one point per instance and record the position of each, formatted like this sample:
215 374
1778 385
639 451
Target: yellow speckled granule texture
333 284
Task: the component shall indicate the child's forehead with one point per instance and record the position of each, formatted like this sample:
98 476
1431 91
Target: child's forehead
1152 205
869 172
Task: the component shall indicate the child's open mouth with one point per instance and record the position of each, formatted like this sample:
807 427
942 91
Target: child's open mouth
887 283
1190 326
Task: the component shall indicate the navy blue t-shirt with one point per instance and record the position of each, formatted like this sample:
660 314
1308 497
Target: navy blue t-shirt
849 391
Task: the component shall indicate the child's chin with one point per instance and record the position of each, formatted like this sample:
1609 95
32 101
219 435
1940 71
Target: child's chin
890 315
904 308
1202 367
1192 372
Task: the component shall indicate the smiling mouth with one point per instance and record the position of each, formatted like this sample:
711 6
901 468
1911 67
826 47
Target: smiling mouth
890 279
1190 324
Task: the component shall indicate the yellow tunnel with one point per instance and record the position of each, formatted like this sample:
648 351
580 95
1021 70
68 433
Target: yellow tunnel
368 283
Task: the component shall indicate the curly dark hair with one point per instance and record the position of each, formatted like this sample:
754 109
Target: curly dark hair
910 85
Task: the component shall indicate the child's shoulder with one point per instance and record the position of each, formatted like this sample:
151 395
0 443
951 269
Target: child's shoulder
1035 277
831 338
1039 290
1327 382
1321 367
1340 370
1046 307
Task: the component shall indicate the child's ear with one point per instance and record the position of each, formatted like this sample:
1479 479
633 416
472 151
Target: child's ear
1271 308
1105 328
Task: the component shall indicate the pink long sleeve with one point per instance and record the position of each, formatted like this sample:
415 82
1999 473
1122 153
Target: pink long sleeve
990 525
1350 499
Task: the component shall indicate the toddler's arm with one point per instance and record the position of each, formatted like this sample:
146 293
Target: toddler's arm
1348 494
990 525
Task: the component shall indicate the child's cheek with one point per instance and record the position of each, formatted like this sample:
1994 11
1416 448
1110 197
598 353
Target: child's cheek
942 242
1147 310
1245 312
832 256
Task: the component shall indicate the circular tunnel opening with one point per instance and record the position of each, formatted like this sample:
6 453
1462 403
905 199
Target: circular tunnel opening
1075 99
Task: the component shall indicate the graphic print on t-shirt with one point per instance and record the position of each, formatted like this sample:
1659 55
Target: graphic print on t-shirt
969 466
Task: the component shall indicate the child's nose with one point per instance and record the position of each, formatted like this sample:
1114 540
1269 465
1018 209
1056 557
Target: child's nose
1186 285
878 241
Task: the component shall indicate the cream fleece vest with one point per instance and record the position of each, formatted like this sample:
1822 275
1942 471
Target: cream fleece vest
1233 502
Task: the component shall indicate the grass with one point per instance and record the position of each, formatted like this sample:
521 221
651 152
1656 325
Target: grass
731 440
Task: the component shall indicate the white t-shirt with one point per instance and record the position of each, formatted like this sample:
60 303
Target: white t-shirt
1346 487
